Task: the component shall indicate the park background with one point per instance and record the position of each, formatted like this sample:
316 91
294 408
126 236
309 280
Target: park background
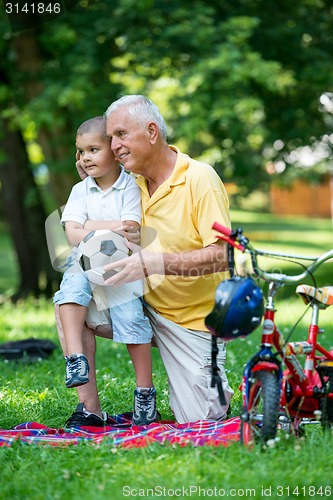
244 85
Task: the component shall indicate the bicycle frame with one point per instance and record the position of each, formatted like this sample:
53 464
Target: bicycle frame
303 388
299 391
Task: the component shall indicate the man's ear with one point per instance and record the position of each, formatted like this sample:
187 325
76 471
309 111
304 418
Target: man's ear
153 132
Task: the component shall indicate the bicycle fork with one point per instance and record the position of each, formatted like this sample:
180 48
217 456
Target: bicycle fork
263 360
261 384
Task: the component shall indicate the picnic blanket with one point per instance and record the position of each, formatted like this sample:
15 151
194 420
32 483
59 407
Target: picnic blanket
122 433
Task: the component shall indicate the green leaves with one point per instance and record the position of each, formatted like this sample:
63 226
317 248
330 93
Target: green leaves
231 78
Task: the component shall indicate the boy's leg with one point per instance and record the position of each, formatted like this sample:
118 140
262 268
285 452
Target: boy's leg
142 361
88 393
131 327
144 411
73 299
73 317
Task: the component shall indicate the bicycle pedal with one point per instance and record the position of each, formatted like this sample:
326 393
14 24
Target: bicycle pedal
325 368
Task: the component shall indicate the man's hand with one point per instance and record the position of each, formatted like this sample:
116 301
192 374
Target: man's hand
139 265
142 263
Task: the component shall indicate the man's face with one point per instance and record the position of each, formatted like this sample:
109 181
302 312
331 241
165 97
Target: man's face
130 141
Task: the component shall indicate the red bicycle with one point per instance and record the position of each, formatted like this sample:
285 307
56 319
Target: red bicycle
290 397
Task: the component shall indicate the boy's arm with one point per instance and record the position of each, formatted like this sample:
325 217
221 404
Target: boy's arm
128 228
75 232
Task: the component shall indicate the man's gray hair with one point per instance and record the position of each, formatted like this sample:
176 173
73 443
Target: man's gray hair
142 109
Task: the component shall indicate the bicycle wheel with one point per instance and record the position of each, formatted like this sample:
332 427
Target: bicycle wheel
326 407
260 419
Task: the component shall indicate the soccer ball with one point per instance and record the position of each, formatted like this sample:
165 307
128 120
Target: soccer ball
96 250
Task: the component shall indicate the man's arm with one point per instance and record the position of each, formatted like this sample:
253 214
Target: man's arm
211 259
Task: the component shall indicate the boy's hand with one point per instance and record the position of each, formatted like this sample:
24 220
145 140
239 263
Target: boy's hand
79 169
132 234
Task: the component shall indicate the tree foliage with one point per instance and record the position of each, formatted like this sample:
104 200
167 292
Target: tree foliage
239 82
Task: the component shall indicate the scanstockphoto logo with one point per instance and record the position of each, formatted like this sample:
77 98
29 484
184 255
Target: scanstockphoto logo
26 15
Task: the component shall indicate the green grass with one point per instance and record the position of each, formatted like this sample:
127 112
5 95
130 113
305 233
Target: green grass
36 392
284 233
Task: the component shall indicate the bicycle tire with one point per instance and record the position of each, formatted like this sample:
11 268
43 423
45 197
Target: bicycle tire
260 419
326 407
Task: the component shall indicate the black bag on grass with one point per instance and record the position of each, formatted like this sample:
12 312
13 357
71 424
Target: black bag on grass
28 350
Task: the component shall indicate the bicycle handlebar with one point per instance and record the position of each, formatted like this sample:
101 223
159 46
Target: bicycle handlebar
228 235
224 230
238 240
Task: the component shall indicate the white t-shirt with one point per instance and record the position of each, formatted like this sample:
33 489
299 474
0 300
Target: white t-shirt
88 202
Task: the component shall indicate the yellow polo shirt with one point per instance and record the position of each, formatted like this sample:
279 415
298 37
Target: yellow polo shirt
182 211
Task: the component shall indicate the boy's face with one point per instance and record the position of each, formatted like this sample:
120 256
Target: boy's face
95 155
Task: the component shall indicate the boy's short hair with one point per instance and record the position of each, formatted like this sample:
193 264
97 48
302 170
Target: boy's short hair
96 125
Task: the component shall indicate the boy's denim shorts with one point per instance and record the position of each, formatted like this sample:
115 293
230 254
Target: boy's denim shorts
129 324
75 288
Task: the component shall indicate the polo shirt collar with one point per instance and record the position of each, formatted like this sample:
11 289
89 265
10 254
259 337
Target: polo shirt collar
179 171
119 184
178 174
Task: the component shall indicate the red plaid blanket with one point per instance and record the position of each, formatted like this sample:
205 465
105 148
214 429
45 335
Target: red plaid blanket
122 433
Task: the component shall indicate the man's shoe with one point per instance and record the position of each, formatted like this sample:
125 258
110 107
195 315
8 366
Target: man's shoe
144 412
77 370
81 417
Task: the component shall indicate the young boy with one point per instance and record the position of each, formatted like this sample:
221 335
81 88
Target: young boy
107 199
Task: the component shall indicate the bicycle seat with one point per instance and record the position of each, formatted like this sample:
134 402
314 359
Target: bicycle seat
323 296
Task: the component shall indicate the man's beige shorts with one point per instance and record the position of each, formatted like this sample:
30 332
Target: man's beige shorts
186 355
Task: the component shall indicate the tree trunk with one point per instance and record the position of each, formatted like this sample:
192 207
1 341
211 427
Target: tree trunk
29 62
24 211
22 203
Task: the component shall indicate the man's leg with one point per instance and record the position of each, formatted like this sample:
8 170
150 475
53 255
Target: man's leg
88 393
186 355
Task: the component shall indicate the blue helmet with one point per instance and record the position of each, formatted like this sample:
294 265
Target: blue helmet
238 309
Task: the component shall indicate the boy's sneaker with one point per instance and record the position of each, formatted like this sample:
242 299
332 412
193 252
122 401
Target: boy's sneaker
81 417
77 370
144 412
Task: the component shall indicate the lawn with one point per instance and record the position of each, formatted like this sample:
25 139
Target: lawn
36 392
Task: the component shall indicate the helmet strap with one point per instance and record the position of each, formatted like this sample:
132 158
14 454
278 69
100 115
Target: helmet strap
216 379
231 260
